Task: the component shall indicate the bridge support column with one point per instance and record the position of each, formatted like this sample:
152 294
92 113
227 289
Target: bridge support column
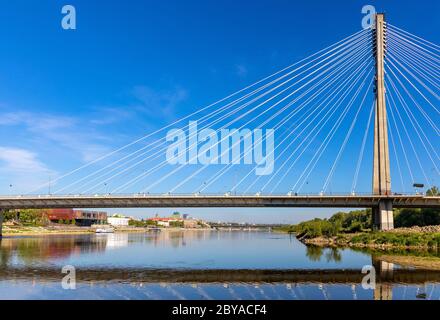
383 218
383 212
1 222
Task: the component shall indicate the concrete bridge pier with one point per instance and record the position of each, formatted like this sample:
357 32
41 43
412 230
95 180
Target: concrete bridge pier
383 218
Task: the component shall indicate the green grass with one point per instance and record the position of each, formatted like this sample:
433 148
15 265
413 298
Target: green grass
398 239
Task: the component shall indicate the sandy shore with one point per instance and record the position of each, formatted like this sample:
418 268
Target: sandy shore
334 242
430 263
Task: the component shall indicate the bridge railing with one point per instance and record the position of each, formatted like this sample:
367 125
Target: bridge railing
226 194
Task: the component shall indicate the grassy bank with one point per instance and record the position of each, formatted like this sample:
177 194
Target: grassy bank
39 230
379 240
415 228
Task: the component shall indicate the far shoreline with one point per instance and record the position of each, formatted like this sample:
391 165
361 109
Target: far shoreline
66 230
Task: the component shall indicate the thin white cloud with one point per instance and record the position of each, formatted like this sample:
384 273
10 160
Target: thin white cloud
72 138
20 161
67 132
36 121
21 170
159 103
111 115
241 70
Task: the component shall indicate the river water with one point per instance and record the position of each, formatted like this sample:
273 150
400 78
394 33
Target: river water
199 265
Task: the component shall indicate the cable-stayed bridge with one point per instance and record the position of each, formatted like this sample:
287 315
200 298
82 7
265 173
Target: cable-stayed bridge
272 144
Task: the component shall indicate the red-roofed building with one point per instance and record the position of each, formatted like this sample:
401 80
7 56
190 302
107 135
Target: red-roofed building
165 222
81 217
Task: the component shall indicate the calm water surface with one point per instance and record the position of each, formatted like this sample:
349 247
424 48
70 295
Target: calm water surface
195 265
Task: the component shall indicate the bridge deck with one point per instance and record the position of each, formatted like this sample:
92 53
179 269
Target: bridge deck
177 201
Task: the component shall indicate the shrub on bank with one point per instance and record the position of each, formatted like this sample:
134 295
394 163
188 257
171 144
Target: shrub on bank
142 223
359 221
27 217
397 239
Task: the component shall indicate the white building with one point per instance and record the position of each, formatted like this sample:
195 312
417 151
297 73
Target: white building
163 223
118 221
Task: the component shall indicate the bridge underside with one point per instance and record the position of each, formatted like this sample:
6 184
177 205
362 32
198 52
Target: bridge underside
175 201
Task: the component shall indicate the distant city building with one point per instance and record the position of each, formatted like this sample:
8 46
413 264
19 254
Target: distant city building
176 215
164 222
190 224
182 220
80 217
118 220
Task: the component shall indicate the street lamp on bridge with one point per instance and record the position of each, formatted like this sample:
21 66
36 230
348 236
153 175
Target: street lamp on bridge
418 187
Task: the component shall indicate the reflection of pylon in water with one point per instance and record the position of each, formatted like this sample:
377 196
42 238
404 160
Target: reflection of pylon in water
353 289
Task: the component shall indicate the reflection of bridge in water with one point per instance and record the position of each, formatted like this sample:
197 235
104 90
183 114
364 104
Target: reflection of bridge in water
148 275
265 283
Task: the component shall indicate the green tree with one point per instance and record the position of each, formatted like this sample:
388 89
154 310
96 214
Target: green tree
410 217
433 191
314 253
176 224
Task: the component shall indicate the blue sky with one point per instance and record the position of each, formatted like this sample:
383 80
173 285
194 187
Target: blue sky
67 97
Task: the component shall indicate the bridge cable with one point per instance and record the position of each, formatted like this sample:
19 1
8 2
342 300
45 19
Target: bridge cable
399 97
190 177
241 116
425 115
328 139
410 116
399 169
409 81
362 150
318 125
337 44
293 125
194 113
391 56
158 153
253 100
415 66
393 104
405 33
396 35
344 143
412 52
394 122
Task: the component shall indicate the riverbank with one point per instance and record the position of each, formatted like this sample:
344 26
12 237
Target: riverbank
17 231
405 238
408 248
409 261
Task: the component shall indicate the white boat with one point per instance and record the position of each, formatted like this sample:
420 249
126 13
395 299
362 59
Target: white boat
102 230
